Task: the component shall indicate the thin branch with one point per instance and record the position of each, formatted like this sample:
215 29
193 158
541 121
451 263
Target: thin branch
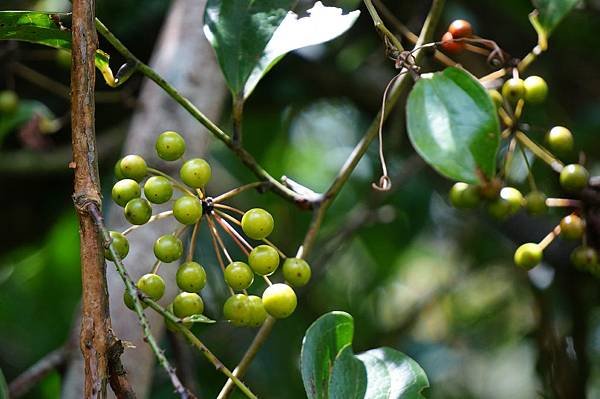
260 185
39 370
381 26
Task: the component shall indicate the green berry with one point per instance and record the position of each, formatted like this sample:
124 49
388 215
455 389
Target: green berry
536 89
463 195
237 309
191 277
238 276
171 326
158 189
513 89
128 301
296 272
279 300
134 167
120 244
118 172
508 203
256 311
187 209
574 177
257 223
63 58
560 139
138 211
496 98
535 203
9 102
152 285
264 260
170 146
195 173
584 257
125 190
572 227
528 255
187 304
168 248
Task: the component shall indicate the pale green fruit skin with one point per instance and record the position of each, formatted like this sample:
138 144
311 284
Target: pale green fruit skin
528 255
560 139
152 285
279 300
170 146
257 223
264 260
158 189
508 203
187 209
191 277
257 312
584 257
134 167
574 177
187 304
464 196
138 211
124 191
168 248
236 309
536 90
572 227
513 89
120 244
195 173
296 272
535 203
238 275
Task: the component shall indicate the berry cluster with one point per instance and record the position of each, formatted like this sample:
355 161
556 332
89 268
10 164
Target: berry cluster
504 201
189 209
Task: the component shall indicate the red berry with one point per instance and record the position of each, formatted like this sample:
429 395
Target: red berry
460 28
450 46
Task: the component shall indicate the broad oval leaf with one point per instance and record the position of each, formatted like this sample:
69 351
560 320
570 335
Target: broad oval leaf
250 37
348 376
551 12
47 29
452 124
322 342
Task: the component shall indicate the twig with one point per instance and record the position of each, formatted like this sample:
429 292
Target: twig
260 185
381 26
40 369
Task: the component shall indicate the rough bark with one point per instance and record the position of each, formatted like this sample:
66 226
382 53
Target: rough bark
185 59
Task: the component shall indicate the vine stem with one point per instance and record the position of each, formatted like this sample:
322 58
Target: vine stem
238 190
539 151
239 240
158 216
192 244
137 304
381 26
324 202
218 255
550 237
219 240
245 157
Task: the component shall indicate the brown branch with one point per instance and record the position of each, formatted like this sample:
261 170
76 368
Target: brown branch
34 374
117 375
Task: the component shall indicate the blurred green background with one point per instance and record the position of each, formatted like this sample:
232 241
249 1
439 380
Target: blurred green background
417 275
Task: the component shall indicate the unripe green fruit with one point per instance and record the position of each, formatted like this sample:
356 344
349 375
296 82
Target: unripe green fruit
121 245
9 102
195 173
191 277
118 172
158 189
138 211
513 90
134 167
584 257
128 301
572 227
536 203
296 272
187 304
168 248
152 285
279 300
125 190
256 311
529 255
237 310
508 203
257 223
560 139
496 98
536 89
238 276
63 58
170 146
463 195
187 209
171 326
574 177
264 260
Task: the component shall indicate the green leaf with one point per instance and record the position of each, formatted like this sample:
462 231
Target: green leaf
47 29
27 109
348 376
197 318
322 342
551 12
3 386
452 124
250 37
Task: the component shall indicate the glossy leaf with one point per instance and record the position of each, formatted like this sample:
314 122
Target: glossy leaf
452 124
348 376
250 37
322 342
46 29
551 12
